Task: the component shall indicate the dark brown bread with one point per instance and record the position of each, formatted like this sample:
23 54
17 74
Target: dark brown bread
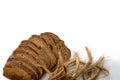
28 57
41 43
50 42
56 45
38 50
55 37
20 66
31 51
29 65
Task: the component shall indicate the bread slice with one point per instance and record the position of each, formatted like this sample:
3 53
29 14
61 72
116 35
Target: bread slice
17 70
59 45
50 42
30 65
30 58
40 52
41 43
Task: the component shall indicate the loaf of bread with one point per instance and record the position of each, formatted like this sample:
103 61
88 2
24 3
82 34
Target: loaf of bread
41 49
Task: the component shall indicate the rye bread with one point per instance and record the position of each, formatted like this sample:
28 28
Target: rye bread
31 52
29 65
49 41
39 52
17 70
25 62
41 43
56 38
22 59
59 44
30 58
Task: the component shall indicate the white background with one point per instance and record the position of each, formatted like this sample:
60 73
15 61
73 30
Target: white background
92 23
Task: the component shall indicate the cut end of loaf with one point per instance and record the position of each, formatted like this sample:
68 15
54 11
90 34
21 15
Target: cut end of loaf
16 73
